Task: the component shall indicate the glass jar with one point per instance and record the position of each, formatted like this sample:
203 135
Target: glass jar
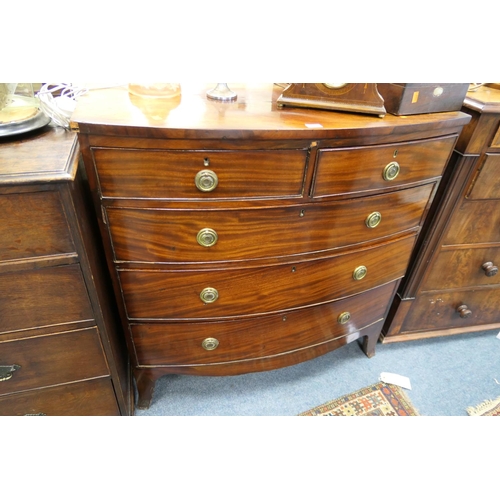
163 90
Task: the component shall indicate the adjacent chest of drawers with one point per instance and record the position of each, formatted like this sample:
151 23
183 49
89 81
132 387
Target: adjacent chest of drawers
454 286
61 351
244 238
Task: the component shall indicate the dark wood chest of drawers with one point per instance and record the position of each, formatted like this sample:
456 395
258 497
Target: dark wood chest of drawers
242 237
453 285
61 349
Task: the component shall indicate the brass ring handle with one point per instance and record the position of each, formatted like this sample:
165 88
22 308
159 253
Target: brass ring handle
489 269
391 171
344 317
464 311
373 220
206 180
207 237
209 295
210 344
6 372
359 273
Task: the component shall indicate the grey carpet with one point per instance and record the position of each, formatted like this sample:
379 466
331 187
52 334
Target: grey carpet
447 374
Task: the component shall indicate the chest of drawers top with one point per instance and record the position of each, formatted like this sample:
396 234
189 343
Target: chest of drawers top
47 155
255 116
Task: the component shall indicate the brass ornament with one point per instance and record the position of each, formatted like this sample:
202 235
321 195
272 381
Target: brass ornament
6 372
359 273
209 295
391 171
210 344
207 237
373 220
206 180
344 317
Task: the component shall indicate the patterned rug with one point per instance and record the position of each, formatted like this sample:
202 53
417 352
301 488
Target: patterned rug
488 408
377 400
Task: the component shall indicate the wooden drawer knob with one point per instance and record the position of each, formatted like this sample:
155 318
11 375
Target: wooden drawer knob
207 237
464 311
391 171
209 295
6 372
489 269
206 180
210 344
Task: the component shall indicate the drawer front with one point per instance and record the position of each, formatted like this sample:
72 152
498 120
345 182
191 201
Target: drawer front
258 290
44 297
173 175
495 143
353 170
90 398
33 225
183 343
487 182
474 222
436 311
52 359
464 268
172 235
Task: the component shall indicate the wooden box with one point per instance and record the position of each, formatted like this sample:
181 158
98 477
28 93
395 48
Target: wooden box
419 98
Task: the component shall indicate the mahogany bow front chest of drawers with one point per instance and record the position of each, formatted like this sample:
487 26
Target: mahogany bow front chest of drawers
454 286
61 347
242 237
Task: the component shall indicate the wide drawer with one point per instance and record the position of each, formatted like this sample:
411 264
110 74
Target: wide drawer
436 311
167 235
474 222
33 225
466 267
226 341
173 175
216 293
43 297
487 182
90 398
52 360
352 170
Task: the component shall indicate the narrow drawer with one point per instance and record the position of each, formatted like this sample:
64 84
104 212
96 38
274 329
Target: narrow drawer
353 170
467 267
52 360
487 182
33 225
90 398
140 235
258 290
44 297
178 175
474 222
226 341
437 311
